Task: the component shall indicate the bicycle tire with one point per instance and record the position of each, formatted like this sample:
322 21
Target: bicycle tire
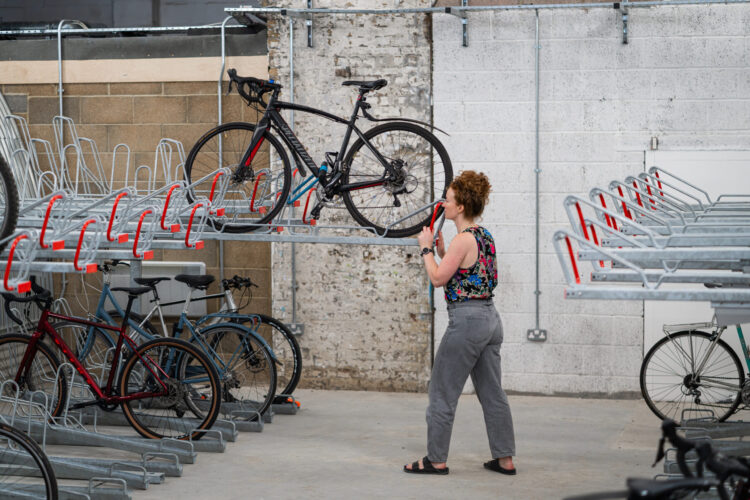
249 377
287 351
25 461
8 202
191 375
245 200
12 348
431 185
664 377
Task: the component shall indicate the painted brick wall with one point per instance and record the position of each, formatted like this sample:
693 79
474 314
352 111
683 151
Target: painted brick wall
684 77
366 309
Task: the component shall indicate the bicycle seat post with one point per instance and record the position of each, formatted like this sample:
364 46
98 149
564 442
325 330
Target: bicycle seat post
126 316
187 301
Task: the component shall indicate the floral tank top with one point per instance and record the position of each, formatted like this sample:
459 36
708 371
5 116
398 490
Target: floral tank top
478 281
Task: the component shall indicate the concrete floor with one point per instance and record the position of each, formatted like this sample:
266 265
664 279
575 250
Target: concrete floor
353 444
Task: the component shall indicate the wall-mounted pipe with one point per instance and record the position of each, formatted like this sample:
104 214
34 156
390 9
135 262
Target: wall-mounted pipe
536 334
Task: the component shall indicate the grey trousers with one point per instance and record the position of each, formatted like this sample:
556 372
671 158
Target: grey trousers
470 346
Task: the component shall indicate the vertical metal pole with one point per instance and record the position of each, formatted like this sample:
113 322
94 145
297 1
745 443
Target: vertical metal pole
537 292
537 334
60 85
291 125
220 119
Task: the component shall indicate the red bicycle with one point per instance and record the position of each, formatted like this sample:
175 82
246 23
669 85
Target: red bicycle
166 387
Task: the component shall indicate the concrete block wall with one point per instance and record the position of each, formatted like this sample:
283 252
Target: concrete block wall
684 77
365 309
139 115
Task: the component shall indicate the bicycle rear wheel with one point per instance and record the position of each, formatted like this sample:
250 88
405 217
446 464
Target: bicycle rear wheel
8 202
41 385
397 207
287 351
256 197
671 387
25 471
191 381
246 368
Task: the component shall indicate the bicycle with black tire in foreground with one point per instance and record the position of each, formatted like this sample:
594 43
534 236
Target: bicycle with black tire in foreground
25 470
390 177
706 474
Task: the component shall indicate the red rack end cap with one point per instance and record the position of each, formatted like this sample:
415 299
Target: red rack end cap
148 255
262 210
220 212
123 238
58 245
91 268
24 287
199 245
297 203
313 222
279 229
175 228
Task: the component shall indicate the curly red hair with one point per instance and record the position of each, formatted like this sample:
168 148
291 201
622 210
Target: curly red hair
472 190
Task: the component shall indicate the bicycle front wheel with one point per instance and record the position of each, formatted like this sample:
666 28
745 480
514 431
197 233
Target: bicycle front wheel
673 387
190 380
257 193
43 383
246 368
8 202
396 205
25 471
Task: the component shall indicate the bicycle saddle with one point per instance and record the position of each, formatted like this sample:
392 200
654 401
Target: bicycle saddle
363 85
200 282
150 281
135 290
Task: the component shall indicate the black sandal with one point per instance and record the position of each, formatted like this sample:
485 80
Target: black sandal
495 466
427 469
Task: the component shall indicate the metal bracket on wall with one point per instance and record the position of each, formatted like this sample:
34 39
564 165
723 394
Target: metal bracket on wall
461 13
623 8
307 17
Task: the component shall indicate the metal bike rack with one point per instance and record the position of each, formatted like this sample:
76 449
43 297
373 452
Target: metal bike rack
659 228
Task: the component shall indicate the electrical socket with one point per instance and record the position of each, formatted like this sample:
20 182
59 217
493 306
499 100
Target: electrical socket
296 328
535 335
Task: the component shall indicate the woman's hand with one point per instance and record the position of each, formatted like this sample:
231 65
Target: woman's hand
425 238
440 245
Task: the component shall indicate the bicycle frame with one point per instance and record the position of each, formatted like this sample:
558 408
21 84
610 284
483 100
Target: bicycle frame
102 395
272 119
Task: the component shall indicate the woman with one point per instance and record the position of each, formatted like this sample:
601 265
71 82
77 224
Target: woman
471 344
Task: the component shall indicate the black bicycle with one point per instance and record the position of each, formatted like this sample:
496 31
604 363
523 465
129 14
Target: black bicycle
389 178
728 478
8 202
25 471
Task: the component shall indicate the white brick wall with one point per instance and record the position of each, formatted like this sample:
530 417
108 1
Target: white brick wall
684 77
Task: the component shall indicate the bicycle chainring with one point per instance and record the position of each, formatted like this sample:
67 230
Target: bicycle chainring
745 392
